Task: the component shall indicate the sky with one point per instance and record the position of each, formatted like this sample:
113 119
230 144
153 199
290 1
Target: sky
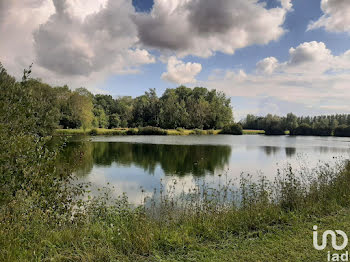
268 56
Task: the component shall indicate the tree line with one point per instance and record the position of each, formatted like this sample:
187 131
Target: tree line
177 108
325 125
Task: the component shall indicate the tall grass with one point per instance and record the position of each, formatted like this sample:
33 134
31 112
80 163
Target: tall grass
106 229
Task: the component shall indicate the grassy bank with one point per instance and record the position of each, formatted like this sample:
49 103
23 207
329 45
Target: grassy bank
133 131
271 221
253 132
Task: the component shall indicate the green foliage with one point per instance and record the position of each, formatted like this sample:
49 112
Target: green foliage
181 107
198 132
93 132
273 125
28 115
82 106
317 126
149 130
100 119
233 129
303 129
132 131
342 130
114 121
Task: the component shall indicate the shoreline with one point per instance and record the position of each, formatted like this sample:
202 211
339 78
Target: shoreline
133 131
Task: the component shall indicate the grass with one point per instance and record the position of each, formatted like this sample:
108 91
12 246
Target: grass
253 132
134 131
289 243
269 221
99 242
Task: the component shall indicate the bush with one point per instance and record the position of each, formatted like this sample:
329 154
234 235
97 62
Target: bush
343 131
149 130
233 129
179 129
307 130
210 132
132 132
274 131
198 132
302 130
93 132
324 131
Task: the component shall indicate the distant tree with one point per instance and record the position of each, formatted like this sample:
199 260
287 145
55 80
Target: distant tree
291 122
273 125
114 121
172 113
81 105
342 130
100 118
124 109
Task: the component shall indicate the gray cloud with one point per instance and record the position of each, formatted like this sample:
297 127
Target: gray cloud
61 6
68 45
2 10
162 31
207 16
201 27
57 48
107 37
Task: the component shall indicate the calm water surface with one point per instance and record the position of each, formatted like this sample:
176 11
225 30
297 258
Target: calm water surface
143 163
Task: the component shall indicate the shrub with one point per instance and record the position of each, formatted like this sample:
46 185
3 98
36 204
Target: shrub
181 130
233 129
210 132
198 132
132 132
93 132
149 130
326 131
302 130
274 131
307 130
343 131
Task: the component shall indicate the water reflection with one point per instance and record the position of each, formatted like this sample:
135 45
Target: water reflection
290 151
180 160
130 163
271 150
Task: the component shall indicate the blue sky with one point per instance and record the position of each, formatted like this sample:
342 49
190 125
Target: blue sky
269 56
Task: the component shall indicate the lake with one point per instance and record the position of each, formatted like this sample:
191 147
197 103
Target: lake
137 165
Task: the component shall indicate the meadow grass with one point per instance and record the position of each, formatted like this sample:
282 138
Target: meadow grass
257 221
253 132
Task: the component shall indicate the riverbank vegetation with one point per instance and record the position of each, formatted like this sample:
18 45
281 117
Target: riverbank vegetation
156 131
337 125
45 215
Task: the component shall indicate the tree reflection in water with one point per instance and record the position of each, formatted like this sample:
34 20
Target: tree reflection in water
179 160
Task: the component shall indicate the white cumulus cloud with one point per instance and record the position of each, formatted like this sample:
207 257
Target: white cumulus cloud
267 65
336 16
311 77
180 72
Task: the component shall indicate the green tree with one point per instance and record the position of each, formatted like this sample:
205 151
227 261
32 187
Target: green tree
100 118
125 108
291 122
81 104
